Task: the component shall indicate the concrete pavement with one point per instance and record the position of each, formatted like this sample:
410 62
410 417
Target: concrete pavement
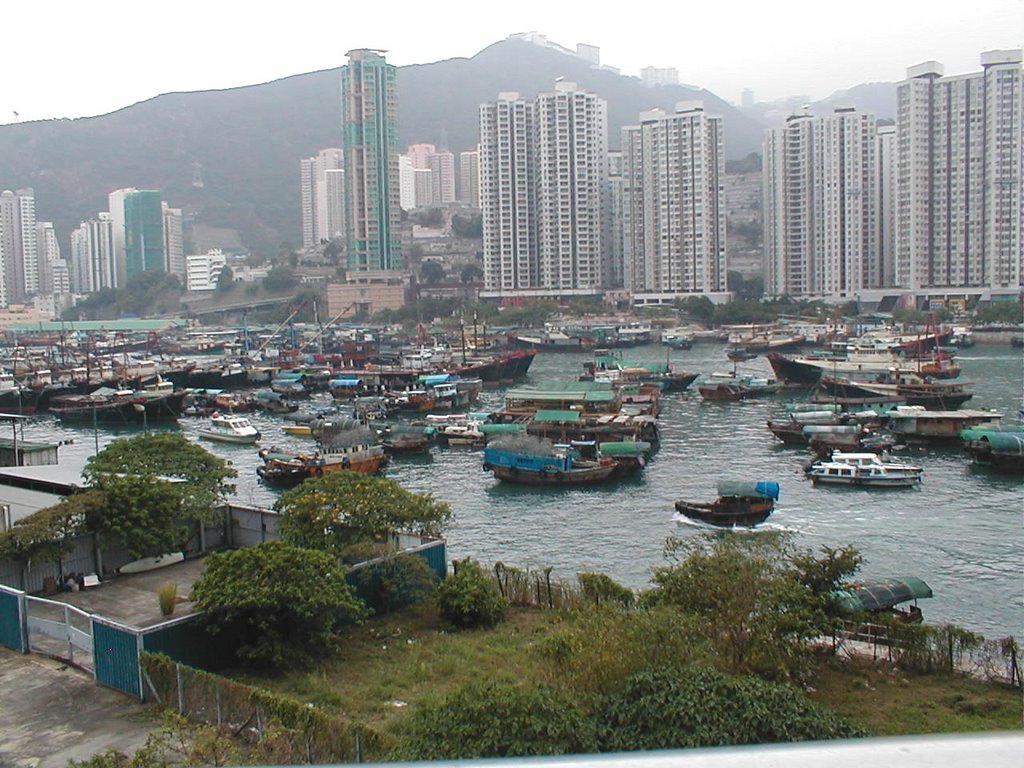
51 713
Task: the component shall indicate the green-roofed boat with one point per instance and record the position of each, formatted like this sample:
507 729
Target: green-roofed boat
883 596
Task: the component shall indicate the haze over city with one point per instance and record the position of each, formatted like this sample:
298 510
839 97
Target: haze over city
85 60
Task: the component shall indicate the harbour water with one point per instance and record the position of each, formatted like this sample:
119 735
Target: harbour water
960 531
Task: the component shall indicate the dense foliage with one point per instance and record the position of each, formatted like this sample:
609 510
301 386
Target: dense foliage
280 603
667 709
488 719
755 597
204 477
45 535
469 598
394 582
341 509
141 513
146 294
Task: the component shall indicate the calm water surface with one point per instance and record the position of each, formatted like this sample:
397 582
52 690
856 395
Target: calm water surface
961 530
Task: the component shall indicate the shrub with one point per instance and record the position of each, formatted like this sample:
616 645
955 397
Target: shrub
394 582
665 709
469 597
497 720
601 588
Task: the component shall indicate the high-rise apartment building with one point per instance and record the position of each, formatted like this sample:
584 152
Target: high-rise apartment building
508 194
673 208
370 130
322 180
93 255
469 178
423 187
543 171
612 217
19 253
406 183
959 209
138 222
884 272
420 154
53 270
442 177
660 75
174 242
821 206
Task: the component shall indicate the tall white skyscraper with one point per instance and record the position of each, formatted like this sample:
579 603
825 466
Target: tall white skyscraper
53 270
884 272
469 178
323 205
959 203
612 216
543 171
508 193
572 168
821 206
93 255
406 183
174 242
19 253
442 177
673 208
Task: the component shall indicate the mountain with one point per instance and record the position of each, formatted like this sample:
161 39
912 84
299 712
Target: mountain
245 143
878 99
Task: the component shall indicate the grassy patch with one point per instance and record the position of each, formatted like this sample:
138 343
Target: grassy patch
890 702
393 663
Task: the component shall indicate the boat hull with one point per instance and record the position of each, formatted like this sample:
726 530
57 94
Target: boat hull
221 437
578 476
728 512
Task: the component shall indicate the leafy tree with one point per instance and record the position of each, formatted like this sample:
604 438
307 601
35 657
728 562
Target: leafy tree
757 616
491 719
279 279
430 217
698 307
669 709
334 248
431 272
827 573
279 602
1000 313
341 509
164 454
140 512
471 273
468 226
469 598
394 582
46 535
226 280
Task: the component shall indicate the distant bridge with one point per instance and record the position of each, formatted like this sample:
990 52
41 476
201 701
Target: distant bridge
227 309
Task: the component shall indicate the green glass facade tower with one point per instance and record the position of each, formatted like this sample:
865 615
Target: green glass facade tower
370 144
143 233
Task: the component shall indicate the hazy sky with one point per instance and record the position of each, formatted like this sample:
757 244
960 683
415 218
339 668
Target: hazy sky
69 58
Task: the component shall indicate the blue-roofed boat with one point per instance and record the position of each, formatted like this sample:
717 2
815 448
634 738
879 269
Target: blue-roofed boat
529 461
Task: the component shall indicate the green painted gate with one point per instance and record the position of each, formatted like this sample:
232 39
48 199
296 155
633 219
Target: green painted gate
116 652
12 627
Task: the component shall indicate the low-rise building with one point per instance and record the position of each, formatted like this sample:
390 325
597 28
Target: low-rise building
367 292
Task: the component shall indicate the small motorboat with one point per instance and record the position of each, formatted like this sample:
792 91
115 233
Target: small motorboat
738 504
230 429
866 470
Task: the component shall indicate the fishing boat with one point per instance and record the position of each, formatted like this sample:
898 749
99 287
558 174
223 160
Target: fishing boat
738 504
865 470
529 461
916 424
882 597
121 406
732 386
1002 450
902 385
289 469
229 429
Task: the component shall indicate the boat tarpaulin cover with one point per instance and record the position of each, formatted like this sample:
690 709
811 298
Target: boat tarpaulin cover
879 595
749 488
